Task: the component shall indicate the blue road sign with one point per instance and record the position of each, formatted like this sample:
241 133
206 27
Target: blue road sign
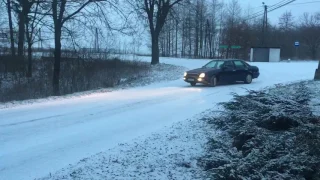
297 43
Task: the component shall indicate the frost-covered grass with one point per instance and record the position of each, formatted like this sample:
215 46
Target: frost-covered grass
271 134
76 75
315 98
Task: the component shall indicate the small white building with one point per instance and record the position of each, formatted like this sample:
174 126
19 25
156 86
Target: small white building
265 54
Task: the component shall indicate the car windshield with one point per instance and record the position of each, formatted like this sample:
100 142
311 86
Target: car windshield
214 64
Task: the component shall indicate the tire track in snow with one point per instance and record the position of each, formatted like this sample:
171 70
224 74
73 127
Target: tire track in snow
111 111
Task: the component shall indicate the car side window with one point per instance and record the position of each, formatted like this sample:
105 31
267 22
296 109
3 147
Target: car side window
211 64
239 64
228 64
220 64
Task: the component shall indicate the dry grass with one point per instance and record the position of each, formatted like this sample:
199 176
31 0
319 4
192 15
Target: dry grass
76 75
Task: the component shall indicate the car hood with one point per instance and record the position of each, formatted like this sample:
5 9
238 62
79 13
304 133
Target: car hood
201 70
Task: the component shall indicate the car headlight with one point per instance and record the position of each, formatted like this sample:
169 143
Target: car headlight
202 75
185 74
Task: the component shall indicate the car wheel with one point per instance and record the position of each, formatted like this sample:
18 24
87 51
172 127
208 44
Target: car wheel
248 79
193 84
213 81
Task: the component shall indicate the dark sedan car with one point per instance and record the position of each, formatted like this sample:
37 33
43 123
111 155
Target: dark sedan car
222 71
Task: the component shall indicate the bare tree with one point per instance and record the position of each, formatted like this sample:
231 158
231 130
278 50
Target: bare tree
232 21
310 28
32 29
8 3
22 9
287 34
157 12
60 15
286 21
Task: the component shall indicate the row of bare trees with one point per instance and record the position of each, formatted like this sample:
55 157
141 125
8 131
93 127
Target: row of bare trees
198 28
60 16
27 19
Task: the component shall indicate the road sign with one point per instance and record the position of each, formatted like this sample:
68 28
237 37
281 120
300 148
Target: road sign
297 43
223 46
232 47
235 47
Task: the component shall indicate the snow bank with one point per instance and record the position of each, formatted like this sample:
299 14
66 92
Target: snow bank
171 153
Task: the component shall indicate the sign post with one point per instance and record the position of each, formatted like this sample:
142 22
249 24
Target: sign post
297 44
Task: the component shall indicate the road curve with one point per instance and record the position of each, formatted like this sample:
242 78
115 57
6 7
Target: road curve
44 137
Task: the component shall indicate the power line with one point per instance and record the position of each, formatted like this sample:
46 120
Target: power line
282 5
272 8
278 3
310 2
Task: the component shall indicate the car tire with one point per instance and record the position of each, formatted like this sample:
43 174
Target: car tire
193 84
213 81
248 79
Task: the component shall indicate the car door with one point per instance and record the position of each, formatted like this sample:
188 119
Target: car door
241 70
228 72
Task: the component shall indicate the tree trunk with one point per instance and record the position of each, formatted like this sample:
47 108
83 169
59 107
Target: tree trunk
183 40
201 38
155 49
196 43
29 73
169 41
190 37
21 33
177 38
13 53
57 60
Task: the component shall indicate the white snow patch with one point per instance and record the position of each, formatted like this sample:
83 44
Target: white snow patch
171 153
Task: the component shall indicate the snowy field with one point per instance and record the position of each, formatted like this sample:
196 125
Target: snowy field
42 138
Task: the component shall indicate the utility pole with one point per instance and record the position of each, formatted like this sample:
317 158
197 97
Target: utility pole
264 23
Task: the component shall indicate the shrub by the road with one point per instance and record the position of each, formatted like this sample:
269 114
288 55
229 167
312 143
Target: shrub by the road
270 134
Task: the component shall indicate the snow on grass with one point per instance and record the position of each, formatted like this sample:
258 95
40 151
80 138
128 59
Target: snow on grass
159 73
315 100
171 153
268 134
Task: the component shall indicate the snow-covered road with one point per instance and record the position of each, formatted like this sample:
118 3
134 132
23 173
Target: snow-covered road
44 137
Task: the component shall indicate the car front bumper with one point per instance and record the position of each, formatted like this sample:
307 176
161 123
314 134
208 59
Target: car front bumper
194 79
255 75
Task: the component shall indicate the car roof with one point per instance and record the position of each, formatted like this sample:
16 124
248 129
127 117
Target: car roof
227 60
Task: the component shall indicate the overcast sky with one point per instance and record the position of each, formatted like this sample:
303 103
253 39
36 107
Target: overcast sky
297 8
